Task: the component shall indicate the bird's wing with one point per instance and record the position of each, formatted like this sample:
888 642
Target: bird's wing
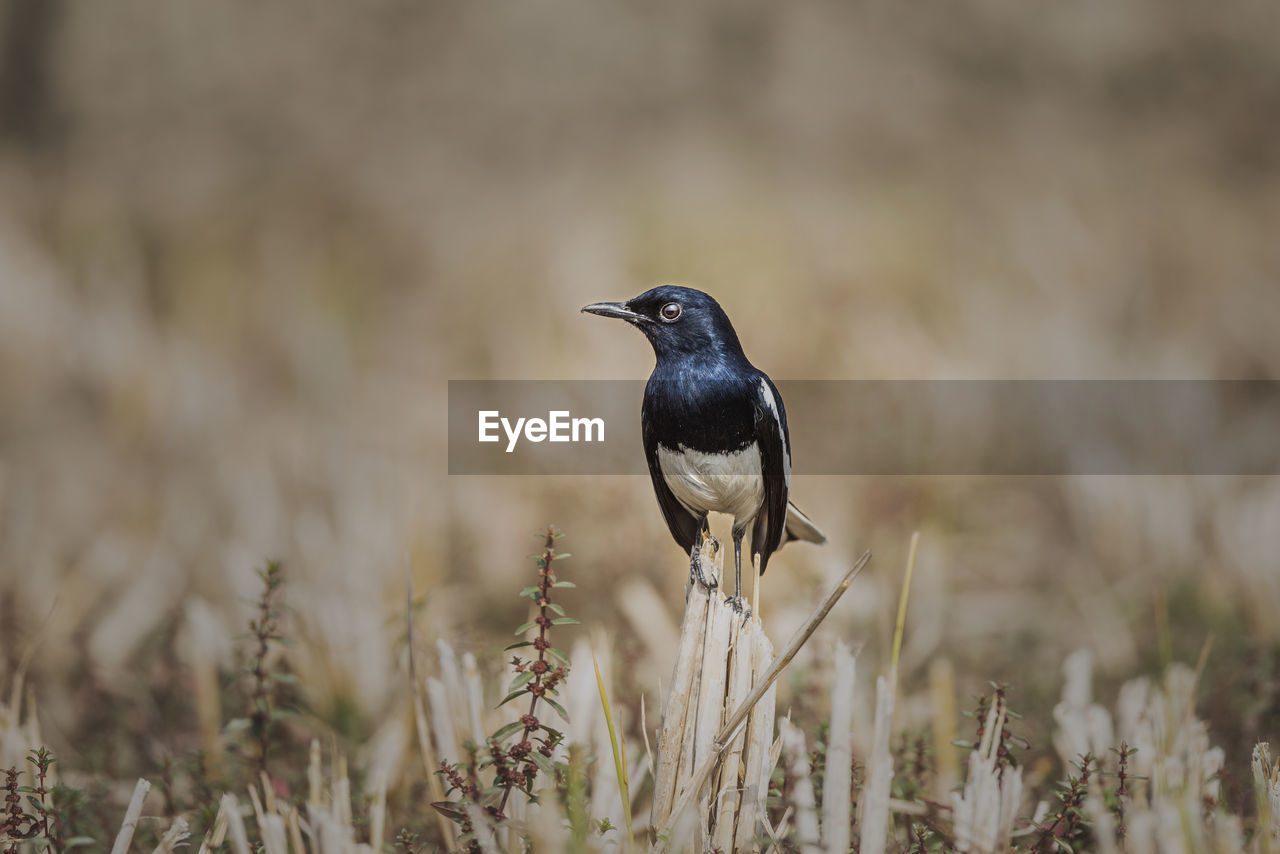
775 465
683 524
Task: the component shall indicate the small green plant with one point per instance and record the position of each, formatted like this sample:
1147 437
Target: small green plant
1118 795
16 824
914 756
818 761
926 839
408 842
265 630
516 754
41 823
263 711
1067 829
1007 740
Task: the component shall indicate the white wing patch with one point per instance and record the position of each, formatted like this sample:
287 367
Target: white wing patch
766 394
725 483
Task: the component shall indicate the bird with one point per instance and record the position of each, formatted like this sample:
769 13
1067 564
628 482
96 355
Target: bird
715 430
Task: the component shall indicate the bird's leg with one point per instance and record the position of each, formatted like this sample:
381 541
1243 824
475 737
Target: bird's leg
695 556
707 535
736 601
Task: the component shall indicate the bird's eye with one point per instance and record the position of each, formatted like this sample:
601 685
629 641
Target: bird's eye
671 311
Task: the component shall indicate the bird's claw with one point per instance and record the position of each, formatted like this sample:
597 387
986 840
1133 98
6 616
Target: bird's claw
696 573
738 604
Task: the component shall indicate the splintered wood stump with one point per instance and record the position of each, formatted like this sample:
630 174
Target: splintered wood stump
720 658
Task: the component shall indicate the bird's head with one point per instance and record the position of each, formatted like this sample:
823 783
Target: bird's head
676 320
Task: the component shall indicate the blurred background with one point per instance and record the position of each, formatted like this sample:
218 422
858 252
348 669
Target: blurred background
243 247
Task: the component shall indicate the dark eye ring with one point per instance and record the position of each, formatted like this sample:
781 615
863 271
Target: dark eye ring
671 311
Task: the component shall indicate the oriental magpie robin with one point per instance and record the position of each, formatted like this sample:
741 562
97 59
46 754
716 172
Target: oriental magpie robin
715 430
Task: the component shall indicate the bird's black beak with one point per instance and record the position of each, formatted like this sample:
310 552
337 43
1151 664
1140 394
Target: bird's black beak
615 309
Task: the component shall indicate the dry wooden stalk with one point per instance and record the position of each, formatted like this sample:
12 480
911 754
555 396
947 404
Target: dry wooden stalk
716 742
984 812
174 837
873 809
125 836
796 755
837 784
720 657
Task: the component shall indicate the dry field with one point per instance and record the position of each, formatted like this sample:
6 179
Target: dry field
243 248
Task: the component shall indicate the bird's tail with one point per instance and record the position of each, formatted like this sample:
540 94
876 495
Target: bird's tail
801 527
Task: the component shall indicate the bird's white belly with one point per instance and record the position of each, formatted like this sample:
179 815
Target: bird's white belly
724 483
